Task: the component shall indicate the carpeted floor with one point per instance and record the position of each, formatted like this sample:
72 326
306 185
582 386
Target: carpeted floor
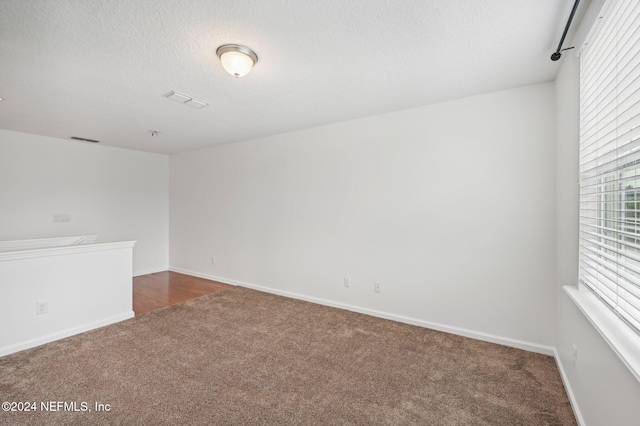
246 357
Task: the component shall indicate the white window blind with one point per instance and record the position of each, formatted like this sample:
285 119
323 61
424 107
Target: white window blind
610 160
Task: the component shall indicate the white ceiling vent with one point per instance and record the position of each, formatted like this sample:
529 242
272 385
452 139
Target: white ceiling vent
195 104
187 100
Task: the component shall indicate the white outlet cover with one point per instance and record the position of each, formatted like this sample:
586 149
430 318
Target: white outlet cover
42 307
62 218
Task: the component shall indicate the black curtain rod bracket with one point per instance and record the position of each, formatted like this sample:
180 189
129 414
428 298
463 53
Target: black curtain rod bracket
558 53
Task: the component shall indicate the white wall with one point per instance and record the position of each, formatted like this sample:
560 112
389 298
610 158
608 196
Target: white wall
116 193
449 206
85 286
605 390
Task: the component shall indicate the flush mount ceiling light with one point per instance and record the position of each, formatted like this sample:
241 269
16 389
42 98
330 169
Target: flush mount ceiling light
237 60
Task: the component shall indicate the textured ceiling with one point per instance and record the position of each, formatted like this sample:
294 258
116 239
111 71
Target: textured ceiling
99 69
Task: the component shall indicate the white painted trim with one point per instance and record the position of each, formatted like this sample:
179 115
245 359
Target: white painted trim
149 271
587 25
206 276
61 250
64 333
569 389
19 245
622 340
478 335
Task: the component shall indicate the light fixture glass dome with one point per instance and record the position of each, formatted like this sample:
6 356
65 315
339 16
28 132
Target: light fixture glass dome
237 60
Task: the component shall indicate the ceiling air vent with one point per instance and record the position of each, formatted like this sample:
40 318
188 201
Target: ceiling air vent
185 99
84 139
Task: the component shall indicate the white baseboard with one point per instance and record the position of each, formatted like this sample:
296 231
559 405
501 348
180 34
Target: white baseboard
478 335
149 271
64 333
567 387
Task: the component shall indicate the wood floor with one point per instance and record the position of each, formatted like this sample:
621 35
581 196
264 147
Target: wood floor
166 288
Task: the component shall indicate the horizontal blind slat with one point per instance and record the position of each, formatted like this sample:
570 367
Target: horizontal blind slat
609 161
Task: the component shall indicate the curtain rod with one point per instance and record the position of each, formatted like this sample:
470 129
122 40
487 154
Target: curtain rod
558 53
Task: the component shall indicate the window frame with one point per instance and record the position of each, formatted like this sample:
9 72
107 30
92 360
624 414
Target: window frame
622 337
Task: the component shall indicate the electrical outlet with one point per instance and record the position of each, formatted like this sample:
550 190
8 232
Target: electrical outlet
347 282
213 260
62 218
575 354
42 307
376 287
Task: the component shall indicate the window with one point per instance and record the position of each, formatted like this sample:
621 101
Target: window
610 161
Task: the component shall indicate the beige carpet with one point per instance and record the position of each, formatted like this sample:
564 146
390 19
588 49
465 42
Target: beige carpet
246 357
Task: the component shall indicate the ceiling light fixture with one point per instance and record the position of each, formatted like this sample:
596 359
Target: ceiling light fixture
237 60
